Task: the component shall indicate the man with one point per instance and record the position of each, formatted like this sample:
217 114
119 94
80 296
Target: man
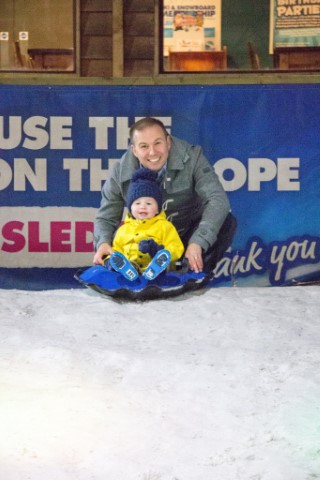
194 200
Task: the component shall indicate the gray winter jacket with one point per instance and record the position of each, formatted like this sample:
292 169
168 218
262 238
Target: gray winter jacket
192 193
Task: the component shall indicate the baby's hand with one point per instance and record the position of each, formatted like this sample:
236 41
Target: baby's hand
149 246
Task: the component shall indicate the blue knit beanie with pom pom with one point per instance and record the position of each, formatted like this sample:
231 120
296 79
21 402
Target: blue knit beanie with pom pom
144 184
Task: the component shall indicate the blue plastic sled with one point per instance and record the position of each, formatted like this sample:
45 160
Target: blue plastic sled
167 284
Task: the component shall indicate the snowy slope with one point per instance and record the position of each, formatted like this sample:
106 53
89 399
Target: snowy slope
223 384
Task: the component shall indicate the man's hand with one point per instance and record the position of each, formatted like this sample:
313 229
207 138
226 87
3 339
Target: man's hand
104 250
194 256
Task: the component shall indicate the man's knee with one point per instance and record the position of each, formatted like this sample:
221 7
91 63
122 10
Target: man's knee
228 230
224 241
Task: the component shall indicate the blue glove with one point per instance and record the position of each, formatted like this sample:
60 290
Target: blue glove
149 246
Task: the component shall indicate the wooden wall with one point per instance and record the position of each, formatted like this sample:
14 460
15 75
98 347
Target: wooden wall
138 30
96 38
106 53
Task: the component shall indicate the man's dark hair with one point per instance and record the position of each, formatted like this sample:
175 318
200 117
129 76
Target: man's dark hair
144 123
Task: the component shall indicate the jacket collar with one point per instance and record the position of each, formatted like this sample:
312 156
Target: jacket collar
178 155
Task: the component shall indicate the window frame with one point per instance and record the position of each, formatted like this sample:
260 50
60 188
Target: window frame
229 72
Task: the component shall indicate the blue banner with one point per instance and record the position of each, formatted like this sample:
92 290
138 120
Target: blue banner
57 144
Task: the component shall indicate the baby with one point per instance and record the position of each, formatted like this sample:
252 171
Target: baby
146 242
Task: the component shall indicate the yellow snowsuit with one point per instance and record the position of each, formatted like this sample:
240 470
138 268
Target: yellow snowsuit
158 228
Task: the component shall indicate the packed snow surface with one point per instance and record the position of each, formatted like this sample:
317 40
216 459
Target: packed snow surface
220 384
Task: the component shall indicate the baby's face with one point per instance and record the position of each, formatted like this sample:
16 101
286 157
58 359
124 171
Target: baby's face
144 208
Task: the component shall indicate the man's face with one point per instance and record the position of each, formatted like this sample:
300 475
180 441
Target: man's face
151 147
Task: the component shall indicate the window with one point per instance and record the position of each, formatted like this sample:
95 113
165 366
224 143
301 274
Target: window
239 35
37 35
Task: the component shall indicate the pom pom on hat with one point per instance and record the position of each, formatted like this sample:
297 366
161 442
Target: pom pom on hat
144 184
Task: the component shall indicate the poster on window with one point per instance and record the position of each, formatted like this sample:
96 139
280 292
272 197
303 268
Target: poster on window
294 23
188 26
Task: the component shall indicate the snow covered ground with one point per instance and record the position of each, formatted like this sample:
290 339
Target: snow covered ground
222 384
